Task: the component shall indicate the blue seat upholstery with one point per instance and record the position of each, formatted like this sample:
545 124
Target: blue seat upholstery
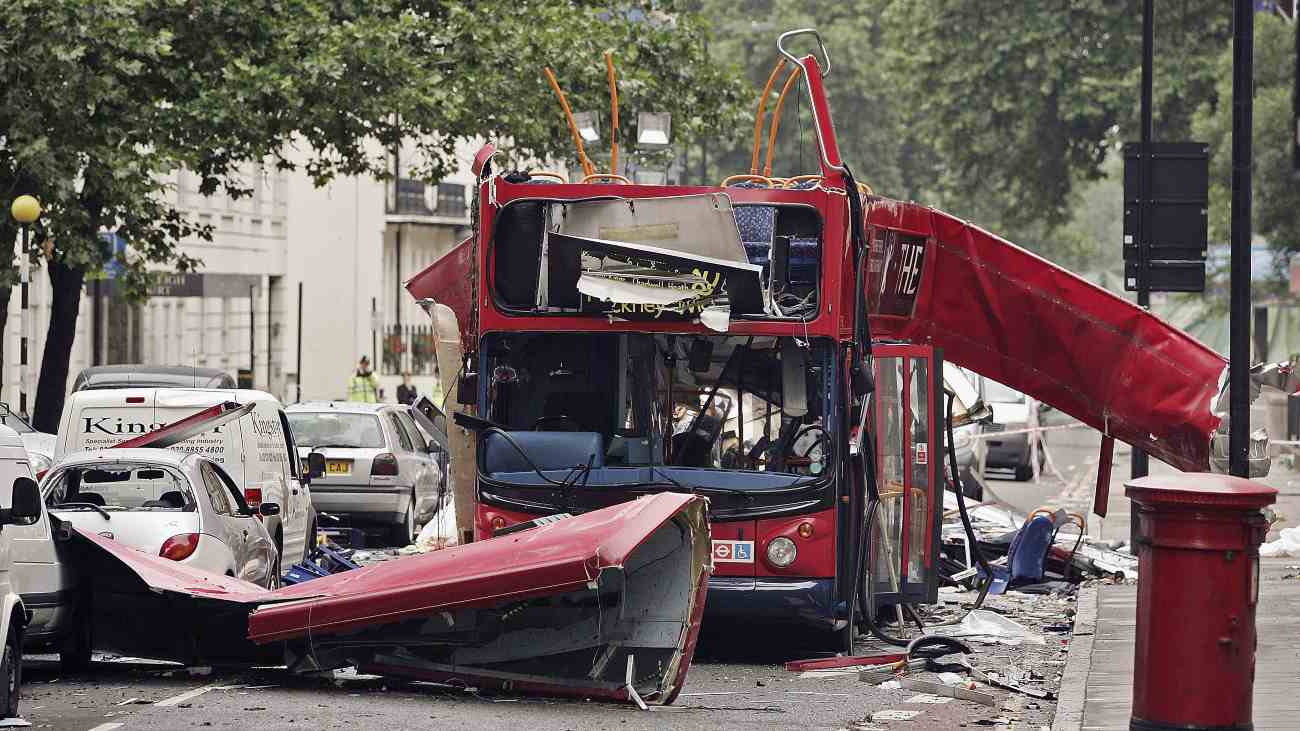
757 225
548 450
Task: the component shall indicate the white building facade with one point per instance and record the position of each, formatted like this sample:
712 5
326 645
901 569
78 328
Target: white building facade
297 284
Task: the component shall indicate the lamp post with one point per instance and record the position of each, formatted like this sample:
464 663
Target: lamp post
25 209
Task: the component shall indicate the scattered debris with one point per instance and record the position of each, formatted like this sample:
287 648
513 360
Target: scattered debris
894 715
948 691
844 661
1287 544
990 627
322 561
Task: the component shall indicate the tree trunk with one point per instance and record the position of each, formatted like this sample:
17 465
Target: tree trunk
66 283
8 247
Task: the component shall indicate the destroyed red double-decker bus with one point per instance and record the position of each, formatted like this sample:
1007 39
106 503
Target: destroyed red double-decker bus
613 339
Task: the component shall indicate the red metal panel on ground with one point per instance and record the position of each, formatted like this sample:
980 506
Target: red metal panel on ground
1017 318
161 574
551 559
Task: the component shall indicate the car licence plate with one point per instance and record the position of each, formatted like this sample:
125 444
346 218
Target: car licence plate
338 467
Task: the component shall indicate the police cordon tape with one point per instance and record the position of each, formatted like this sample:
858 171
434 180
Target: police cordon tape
1032 430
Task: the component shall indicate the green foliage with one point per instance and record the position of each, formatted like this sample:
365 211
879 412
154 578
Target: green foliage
1023 101
1276 192
864 103
104 98
1007 114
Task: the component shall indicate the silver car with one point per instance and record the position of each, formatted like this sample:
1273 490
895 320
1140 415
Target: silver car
166 503
39 445
379 467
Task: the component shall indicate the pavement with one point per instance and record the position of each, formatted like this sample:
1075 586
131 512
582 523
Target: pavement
1097 687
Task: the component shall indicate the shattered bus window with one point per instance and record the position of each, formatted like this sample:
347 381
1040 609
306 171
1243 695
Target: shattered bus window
642 409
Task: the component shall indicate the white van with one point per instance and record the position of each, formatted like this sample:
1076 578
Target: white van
256 450
20 507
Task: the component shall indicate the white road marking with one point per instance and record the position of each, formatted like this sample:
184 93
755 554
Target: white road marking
107 726
185 696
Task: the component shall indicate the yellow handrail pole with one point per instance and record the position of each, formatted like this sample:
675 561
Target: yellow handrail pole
776 118
573 126
758 115
613 103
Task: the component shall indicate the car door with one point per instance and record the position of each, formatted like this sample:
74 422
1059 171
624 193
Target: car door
221 524
404 448
426 474
298 492
249 542
46 585
431 419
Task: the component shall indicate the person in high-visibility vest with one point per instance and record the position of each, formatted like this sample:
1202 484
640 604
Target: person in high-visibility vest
363 386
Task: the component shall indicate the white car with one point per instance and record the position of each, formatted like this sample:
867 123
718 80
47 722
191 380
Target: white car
252 443
21 506
1012 412
167 503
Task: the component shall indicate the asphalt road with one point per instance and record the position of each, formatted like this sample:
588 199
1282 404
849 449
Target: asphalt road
737 681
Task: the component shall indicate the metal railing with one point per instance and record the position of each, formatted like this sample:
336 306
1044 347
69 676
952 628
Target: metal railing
407 348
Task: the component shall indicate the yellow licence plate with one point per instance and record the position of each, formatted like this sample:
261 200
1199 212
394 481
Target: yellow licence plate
338 467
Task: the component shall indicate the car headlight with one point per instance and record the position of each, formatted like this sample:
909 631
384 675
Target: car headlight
781 552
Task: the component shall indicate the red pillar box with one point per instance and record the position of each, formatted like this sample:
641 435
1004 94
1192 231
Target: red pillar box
1198 583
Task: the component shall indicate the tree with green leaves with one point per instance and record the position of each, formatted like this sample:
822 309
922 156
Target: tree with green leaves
104 98
1021 102
1276 191
865 106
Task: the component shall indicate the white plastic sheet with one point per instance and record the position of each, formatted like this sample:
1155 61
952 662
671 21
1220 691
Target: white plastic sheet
1288 544
981 624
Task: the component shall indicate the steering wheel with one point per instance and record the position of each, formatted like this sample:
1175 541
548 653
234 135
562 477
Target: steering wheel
814 454
563 419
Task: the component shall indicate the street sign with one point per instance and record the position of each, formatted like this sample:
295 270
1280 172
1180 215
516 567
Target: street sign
1166 230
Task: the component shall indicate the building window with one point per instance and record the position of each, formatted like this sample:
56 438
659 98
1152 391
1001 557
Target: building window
410 197
451 200
123 322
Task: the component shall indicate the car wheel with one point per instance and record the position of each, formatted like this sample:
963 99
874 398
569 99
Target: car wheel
404 532
11 667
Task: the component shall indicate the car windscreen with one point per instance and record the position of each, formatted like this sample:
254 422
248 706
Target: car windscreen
316 429
121 486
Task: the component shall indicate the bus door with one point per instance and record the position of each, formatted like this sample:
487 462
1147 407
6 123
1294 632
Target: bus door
907 419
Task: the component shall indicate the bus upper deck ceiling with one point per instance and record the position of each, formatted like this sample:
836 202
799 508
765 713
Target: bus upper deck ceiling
683 257
606 400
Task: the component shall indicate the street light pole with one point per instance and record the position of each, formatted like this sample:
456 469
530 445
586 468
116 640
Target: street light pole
1138 463
1243 68
25 210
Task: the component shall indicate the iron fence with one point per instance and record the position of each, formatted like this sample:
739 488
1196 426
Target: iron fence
408 348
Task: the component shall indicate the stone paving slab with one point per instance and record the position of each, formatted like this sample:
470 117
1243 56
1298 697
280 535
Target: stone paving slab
1097 690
